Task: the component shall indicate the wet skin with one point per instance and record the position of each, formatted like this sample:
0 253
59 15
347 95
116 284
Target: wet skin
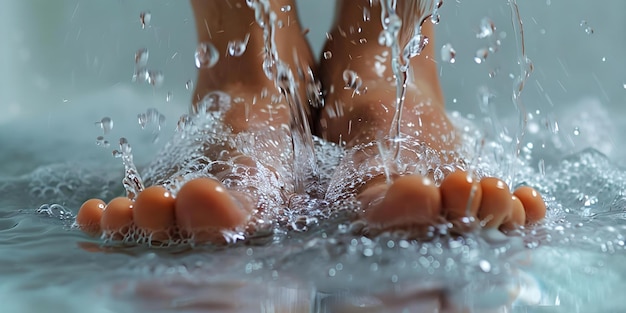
203 207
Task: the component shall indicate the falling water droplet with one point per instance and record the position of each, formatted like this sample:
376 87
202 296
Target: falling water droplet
144 18
576 131
542 167
385 39
214 101
366 14
100 141
206 55
169 96
189 84
487 28
142 119
106 123
141 75
354 82
448 54
285 8
485 266
155 78
141 57
415 46
238 47
481 55
152 117
586 27
183 122
434 17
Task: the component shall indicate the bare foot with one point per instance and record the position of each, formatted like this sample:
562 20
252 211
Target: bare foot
226 182
359 109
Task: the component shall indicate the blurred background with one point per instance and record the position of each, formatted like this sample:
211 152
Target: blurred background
64 56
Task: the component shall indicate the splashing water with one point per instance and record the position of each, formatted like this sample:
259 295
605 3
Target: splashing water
144 19
141 57
206 55
353 82
133 184
526 69
106 123
304 160
487 28
400 56
152 118
238 47
448 54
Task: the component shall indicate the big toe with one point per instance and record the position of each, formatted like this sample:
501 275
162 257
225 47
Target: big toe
204 208
410 200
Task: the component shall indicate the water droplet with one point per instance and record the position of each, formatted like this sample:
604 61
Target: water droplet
542 167
481 55
214 101
576 131
448 54
434 17
415 46
206 55
302 223
366 14
100 141
285 8
327 55
485 266
269 66
385 39
603 59
141 57
354 82
487 28
144 18
169 96
155 78
106 123
151 117
140 75
238 47
586 27
189 84
183 122
332 272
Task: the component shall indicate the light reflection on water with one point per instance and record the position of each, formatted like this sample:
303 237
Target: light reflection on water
574 261
577 258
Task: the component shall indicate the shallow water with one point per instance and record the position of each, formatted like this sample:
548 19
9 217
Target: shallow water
572 263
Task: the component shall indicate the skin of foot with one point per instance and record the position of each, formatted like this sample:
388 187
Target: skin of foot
203 207
360 111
